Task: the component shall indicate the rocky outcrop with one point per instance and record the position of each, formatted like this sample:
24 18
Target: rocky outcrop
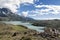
50 33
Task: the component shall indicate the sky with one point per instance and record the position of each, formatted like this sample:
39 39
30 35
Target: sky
37 9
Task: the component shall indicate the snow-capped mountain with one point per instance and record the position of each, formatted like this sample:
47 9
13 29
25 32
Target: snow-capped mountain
6 14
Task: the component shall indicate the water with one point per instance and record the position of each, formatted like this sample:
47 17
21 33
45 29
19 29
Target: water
28 25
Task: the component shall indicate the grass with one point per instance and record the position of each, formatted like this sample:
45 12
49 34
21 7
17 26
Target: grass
22 33
7 30
19 28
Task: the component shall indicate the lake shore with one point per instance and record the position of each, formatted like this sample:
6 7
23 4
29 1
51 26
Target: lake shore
16 32
20 32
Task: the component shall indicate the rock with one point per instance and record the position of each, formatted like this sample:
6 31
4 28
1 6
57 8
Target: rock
25 33
14 34
50 32
25 38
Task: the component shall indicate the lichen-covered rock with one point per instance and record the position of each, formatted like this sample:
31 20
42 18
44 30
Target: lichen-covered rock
50 34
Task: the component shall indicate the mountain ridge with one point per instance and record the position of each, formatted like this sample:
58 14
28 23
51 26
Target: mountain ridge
10 16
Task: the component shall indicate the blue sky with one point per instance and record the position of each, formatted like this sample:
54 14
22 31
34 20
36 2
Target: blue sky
30 6
37 9
49 2
41 9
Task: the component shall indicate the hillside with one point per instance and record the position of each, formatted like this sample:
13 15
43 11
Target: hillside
7 15
48 23
20 32
16 32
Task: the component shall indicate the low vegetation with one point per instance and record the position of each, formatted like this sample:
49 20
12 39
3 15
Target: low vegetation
16 32
20 32
48 23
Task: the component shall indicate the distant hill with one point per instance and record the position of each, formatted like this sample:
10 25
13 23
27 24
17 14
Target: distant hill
48 23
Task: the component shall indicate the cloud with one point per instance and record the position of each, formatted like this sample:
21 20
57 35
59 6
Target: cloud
45 9
46 18
54 9
29 1
13 4
28 13
25 14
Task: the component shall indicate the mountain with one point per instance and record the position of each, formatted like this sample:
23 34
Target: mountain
7 15
1 13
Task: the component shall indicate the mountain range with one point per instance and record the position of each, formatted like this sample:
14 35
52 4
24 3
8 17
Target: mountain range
7 15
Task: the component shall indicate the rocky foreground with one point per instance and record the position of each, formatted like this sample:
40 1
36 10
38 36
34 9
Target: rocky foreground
19 32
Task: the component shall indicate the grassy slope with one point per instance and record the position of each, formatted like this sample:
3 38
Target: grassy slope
6 31
22 33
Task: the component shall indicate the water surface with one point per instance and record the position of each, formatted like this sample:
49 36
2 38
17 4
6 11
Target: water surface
26 24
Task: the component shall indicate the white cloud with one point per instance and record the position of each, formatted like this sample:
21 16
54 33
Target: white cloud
38 12
27 13
13 4
29 1
46 18
24 13
55 8
48 9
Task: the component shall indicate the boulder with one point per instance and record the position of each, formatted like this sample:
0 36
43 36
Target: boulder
50 32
